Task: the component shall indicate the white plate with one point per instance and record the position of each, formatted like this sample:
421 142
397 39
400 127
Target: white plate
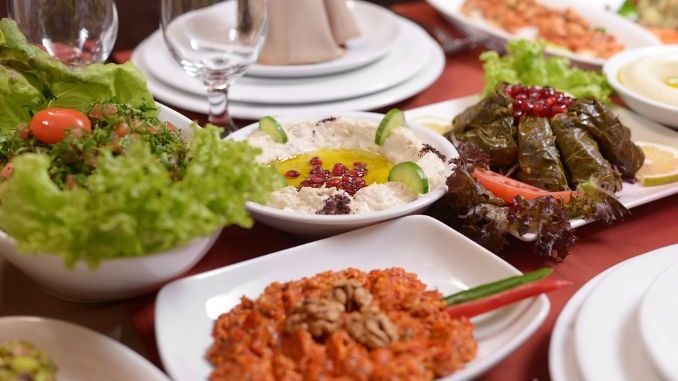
441 257
80 354
400 64
631 195
435 64
378 35
562 362
658 322
628 33
607 333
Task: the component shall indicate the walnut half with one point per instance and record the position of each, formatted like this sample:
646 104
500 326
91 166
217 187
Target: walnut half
372 328
351 294
319 317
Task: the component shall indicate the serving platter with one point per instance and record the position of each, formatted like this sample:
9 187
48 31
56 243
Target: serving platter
79 354
441 257
439 116
629 33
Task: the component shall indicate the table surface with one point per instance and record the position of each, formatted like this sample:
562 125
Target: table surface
598 247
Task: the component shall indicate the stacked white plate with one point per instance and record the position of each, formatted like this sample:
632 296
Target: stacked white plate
622 325
392 60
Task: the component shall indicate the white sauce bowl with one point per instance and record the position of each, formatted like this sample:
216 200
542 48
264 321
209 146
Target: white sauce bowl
657 111
115 278
313 225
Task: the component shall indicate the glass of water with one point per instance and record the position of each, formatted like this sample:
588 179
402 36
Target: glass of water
215 41
77 32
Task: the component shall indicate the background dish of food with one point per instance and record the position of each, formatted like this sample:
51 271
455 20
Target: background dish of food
186 309
322 225
80 354
379 30
435 64
631 195
113 279
607 331
650 108
625 31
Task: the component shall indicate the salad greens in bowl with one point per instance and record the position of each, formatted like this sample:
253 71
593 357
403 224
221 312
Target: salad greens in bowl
105 194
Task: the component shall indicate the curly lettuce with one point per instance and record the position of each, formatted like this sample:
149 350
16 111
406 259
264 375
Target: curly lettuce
30 79
525 63
130 206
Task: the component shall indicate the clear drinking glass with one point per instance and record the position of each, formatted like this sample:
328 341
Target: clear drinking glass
215 41
74 31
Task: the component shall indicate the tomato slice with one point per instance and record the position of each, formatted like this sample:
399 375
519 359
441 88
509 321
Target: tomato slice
50 125
507 188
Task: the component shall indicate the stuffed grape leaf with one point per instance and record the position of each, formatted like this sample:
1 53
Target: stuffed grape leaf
538 155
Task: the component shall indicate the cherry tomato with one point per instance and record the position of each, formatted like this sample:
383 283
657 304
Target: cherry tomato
50 125
507 188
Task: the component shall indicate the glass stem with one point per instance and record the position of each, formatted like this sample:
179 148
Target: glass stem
218 100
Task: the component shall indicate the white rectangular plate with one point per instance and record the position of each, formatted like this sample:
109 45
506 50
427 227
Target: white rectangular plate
441 257
642 129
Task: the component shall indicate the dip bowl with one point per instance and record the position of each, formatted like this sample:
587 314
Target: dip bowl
113 279
314 225
648 107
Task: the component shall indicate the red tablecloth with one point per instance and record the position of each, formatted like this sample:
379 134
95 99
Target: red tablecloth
599 247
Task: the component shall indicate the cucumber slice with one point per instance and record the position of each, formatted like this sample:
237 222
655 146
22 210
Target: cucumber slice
410 174
269 125
394 118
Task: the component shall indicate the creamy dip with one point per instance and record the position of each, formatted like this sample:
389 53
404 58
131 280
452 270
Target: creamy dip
344 133
655 77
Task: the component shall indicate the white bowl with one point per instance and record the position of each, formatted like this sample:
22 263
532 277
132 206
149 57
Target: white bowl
312 225
116 278
627 32
657 111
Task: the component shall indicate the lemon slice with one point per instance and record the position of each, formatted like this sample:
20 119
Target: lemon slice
661 164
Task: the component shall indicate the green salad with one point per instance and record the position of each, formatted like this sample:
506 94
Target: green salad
90 173
526 64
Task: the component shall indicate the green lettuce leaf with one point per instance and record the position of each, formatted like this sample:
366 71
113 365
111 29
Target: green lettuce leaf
30 79
130 206
525 63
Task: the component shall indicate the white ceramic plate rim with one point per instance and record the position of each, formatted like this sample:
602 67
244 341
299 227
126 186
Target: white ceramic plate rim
439 111
660 345
349 61
397 66
350 219
597 356
133 359
451 9
535 310
618 61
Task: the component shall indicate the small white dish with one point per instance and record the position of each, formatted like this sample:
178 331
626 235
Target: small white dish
607 332
642 129
378 35
435 64
117 278
185 310
627 32
79 354
658 318
562 362
655 110
312 225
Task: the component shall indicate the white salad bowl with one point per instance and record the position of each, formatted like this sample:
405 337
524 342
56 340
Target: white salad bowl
113 279
312 225
657 111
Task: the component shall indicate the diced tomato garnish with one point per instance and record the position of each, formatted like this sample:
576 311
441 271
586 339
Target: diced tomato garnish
507 188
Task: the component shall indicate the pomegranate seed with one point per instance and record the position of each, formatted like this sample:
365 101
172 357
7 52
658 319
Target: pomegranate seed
567 101
315 185
540 110
550 101
360 164
316 170
535 94
517 113
315 179
333 182
557 109
548 91
315 161
558 96
338 169
292 174
521 96
354 173
305 183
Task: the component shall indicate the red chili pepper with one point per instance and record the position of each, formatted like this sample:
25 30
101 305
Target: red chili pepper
493 302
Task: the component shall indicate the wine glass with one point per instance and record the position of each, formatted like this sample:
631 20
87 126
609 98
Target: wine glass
77 32
215 41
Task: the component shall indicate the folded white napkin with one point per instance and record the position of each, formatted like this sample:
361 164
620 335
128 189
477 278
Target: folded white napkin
307 31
